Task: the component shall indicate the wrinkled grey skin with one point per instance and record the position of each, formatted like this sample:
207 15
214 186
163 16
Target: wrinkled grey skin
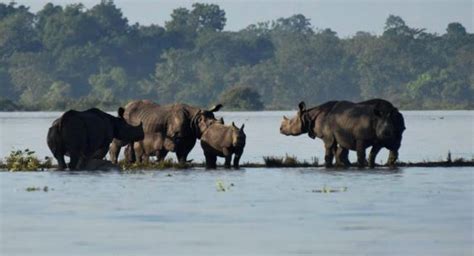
393 143
86 135
358 126
177 125
313 122
223 141
133 115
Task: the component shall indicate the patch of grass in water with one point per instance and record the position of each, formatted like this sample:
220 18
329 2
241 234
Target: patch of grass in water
287 161
25 160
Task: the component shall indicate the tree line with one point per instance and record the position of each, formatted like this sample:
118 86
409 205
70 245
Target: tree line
73 57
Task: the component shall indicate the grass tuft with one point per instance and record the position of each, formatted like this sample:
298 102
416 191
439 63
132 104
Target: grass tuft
287 161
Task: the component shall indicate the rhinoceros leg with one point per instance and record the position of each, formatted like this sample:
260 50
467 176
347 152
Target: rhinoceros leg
360 148
228 160
74 160
61 163
373 154
114 151
392 158
236 160
210 160
342 157
161 155
184 147
329 146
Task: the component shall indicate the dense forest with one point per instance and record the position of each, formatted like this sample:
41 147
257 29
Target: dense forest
73 57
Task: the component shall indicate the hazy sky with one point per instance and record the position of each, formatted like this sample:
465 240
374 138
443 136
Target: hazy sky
343 16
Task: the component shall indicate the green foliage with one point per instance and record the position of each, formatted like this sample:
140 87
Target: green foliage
20 160
241 98
8 105
73 57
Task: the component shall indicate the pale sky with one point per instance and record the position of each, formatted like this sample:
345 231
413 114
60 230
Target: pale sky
346 17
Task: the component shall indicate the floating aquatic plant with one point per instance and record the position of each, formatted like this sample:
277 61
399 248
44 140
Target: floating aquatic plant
221 187
32 189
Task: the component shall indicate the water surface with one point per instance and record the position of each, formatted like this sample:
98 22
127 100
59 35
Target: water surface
408 211
412 211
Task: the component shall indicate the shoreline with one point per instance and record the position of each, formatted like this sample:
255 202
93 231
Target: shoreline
167 165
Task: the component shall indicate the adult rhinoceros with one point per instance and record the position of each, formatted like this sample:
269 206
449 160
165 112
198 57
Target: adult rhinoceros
176 124
344 125
84 135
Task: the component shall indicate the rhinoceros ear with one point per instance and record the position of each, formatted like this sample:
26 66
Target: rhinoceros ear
215 108
242 127
285 118
120 112
221 120
233 125
302 106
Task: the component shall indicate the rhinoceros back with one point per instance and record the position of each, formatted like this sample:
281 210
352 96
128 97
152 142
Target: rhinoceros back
145 111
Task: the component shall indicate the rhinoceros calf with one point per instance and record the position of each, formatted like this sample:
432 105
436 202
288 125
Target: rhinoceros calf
154 144
223 141
86 135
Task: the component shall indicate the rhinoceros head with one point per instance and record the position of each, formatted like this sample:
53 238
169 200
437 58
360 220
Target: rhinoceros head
204 118
294 126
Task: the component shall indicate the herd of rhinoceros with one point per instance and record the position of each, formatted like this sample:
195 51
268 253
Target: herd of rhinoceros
149 129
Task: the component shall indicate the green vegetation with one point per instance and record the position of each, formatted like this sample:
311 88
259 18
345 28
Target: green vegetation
241 98
26 160
73 57
33 189
287 161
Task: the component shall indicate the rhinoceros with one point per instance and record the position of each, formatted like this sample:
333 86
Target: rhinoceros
344 126
85 135
224 141
175 124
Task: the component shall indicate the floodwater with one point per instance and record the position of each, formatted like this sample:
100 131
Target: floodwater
408 211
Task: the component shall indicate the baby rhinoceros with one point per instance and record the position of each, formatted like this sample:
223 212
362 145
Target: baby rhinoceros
223 140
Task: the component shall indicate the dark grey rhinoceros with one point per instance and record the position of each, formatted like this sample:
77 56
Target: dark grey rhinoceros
344 125
85 135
